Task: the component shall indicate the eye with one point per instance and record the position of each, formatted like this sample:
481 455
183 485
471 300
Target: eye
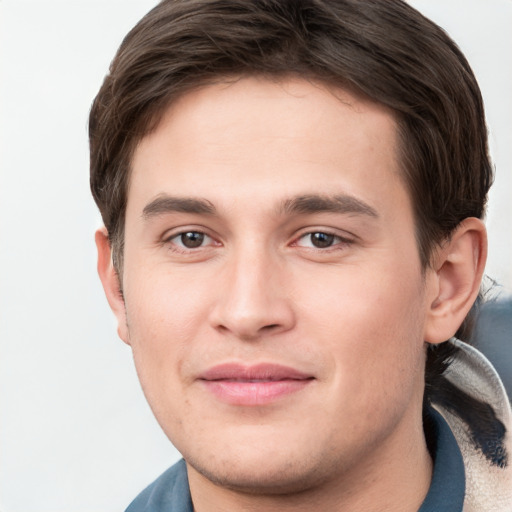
191 239
320 240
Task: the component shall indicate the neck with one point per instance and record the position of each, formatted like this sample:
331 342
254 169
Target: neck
395 477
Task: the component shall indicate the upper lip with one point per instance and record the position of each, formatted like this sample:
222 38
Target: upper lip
254 372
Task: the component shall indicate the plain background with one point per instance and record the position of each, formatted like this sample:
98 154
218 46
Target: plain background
75 431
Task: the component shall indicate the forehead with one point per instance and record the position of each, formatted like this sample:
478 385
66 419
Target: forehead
277 134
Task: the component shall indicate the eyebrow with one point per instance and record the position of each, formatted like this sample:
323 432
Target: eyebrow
303 204
340 203
169 204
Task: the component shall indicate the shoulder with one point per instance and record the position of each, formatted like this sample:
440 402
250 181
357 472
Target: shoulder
170 491
486 446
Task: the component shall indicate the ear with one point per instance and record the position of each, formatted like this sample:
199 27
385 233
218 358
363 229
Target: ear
455 279
111 284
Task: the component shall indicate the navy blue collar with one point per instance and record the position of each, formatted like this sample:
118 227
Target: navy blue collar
448 485
170 492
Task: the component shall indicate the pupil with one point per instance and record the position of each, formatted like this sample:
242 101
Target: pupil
192 239
322 239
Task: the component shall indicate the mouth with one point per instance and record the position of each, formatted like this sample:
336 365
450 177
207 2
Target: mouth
238 384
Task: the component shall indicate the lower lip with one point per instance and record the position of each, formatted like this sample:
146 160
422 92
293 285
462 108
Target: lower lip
254 393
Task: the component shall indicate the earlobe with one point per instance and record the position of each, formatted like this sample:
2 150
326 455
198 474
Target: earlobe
455 279
110 281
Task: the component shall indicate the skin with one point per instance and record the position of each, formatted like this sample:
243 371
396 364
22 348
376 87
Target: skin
353 314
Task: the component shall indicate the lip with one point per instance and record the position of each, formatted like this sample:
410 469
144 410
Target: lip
250 385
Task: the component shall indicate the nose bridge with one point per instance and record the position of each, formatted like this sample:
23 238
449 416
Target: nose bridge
251 301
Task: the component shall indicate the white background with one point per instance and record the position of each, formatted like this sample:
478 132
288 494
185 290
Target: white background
75 432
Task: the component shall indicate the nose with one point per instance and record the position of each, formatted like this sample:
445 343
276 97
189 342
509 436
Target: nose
253 299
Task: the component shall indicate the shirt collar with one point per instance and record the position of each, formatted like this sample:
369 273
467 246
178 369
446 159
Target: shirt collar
448 485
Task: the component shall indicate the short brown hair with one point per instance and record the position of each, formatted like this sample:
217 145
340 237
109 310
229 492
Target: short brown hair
386 50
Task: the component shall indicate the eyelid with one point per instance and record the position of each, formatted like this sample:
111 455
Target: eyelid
344 236
185 228
173 233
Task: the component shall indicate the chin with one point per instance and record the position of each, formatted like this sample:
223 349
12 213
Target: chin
261 465
266 478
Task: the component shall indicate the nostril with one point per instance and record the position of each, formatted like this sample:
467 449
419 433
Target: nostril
250 319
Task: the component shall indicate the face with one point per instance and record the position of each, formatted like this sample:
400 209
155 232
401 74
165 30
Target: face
274 298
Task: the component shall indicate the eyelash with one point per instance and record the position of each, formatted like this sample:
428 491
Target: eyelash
336 242
180 247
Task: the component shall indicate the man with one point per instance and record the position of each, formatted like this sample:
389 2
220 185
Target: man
292 195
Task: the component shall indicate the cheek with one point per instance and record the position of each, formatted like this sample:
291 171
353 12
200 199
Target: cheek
164 323
372 326
161 329
164 308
